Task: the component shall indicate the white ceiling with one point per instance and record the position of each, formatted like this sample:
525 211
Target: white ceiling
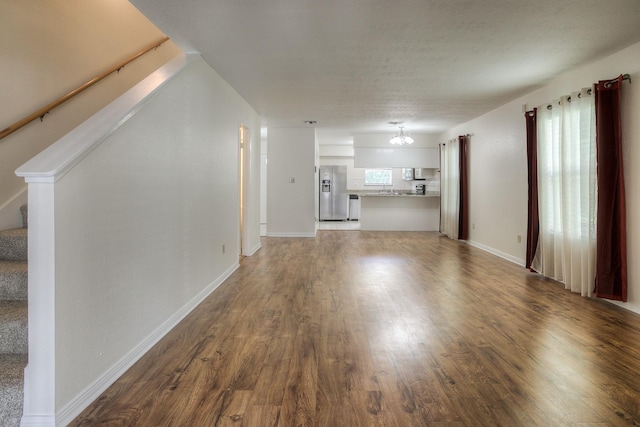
355 65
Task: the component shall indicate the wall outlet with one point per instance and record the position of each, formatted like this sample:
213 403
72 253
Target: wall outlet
519 238
292 180
473 226
223 248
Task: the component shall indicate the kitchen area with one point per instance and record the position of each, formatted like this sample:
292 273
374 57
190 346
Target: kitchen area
379 192
407 203
368 190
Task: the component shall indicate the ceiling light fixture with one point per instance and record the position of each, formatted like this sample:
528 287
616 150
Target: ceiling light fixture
402 137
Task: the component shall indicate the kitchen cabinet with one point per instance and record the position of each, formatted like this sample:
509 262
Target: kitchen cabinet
386 212
396 157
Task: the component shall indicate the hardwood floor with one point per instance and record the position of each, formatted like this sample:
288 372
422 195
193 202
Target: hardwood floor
384 329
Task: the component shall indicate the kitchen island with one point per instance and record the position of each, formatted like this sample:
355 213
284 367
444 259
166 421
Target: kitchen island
399 211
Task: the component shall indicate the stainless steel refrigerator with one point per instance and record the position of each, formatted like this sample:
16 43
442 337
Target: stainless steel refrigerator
334 200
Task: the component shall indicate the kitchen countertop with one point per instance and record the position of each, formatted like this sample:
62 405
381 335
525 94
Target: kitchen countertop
393 193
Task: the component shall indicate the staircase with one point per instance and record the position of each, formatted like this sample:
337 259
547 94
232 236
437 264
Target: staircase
13 321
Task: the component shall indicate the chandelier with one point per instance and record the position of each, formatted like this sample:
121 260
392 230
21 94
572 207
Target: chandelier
401 138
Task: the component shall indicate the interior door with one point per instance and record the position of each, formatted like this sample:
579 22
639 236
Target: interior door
243 135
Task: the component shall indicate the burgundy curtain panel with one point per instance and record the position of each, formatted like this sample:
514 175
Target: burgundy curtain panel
533 219
463 219
611 234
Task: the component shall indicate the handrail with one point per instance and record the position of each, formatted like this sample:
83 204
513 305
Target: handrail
44 110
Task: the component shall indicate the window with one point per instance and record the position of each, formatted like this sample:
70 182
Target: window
567 168
377 177
566 160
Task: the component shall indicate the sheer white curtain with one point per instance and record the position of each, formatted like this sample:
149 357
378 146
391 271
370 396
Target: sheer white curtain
567 192
450 188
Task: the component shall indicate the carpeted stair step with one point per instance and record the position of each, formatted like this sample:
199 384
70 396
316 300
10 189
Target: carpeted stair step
13 327
13 244
13 321
11 388
13 280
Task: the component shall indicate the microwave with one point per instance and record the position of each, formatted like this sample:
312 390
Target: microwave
424 173
419 173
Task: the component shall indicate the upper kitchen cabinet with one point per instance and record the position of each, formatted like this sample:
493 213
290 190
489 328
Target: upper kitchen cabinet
396 157
375 151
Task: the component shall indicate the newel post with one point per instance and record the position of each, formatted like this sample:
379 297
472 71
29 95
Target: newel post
39 382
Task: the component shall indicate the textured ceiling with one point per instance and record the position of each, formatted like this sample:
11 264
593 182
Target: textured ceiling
355 65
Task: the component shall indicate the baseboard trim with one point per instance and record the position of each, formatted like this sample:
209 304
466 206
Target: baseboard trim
635 308
73 408
291 234
37 421
496 252
254 249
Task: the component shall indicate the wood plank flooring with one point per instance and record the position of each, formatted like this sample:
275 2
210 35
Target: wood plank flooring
384 329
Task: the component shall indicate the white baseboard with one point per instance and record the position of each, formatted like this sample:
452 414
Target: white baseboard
634 307
37 421
291 234
254 249
74 407
497 253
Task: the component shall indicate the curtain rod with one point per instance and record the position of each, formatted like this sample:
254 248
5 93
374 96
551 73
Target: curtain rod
455 139
606 84
624 77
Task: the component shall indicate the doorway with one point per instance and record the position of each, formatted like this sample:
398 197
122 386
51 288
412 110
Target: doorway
243 146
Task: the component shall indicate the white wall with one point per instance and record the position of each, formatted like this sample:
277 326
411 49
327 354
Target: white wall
49 48
498 164
291 206
139 224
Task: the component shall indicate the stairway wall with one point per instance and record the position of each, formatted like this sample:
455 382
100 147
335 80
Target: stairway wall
127 238
50 48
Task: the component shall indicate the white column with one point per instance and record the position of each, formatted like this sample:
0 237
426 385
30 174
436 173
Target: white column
39 388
